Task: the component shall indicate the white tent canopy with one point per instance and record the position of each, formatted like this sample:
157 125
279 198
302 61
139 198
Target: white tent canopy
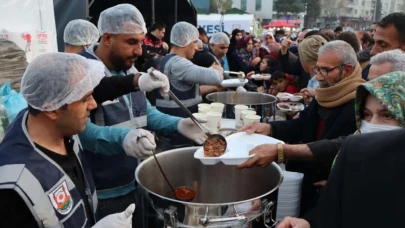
212 22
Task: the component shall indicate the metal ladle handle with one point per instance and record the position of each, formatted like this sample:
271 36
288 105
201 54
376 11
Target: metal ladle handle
163 173
185 109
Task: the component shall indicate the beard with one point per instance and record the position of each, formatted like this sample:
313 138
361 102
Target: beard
326 84
120 62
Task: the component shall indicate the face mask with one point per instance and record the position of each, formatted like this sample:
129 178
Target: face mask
367 127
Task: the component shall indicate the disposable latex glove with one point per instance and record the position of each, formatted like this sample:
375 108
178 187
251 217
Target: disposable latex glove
154 80
118 220
188 129
139 143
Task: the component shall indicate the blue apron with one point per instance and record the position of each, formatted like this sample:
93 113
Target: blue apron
46 189
190 98
115 171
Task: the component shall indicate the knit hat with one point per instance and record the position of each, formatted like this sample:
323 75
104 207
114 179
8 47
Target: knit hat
309 47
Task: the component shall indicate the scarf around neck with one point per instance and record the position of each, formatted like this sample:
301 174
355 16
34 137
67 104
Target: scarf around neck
342 92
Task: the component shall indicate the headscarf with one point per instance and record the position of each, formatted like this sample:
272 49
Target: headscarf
241 47
264 42
232 44
309 47
389 90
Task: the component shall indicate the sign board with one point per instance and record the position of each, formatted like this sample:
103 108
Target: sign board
29 24
212 22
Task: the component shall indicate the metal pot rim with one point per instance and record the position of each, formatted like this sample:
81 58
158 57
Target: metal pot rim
232 103
204 204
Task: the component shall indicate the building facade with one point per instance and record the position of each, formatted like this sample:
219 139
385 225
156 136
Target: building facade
357 14
202 4
262 9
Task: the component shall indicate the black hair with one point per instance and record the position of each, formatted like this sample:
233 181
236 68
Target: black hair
312 32
278 74
236 31
271 61
158 25
338 29
363 56
350 38
367 38
280 32
233 40
398 21
202 31
316 32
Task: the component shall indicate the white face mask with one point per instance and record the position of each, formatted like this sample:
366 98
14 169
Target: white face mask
367 127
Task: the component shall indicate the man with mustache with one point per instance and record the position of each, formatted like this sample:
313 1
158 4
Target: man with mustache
328 116
122 29
44 179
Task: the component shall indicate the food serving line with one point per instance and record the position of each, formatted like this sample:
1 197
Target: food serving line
222 195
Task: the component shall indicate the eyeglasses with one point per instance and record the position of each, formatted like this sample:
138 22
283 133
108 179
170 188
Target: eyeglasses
324 71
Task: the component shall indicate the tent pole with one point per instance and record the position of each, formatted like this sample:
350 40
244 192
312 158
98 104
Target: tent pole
153 11
175 11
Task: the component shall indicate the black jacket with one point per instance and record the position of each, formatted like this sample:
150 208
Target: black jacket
366 186
340 122
291 64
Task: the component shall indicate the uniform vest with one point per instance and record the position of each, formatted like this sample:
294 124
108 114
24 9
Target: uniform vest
46 189
129 111
190 98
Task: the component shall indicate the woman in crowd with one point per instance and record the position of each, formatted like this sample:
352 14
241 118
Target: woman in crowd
268 41
232 61
380 106
256 47
243 55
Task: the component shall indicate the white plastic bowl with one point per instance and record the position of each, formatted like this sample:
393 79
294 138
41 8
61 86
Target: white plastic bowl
296 98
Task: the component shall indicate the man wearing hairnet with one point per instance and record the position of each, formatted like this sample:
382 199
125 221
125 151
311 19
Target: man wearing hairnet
122 29
78 35
219 45
185 77
44 179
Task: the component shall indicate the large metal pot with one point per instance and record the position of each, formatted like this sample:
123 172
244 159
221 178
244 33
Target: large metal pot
225 196
264 104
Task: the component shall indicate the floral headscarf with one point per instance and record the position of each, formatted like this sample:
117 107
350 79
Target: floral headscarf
241 45
389 90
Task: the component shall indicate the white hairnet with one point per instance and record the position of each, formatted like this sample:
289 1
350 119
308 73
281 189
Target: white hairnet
52 80
121 19
80 32
219 38
183 34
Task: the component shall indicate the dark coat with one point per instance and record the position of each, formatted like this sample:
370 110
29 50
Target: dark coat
291 64
366 186
340 122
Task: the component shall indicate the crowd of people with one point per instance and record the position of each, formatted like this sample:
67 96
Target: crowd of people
68 159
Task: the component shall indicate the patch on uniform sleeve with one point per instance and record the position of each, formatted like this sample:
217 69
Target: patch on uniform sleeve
61 199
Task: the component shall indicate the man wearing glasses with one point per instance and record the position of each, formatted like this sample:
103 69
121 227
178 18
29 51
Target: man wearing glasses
328 116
